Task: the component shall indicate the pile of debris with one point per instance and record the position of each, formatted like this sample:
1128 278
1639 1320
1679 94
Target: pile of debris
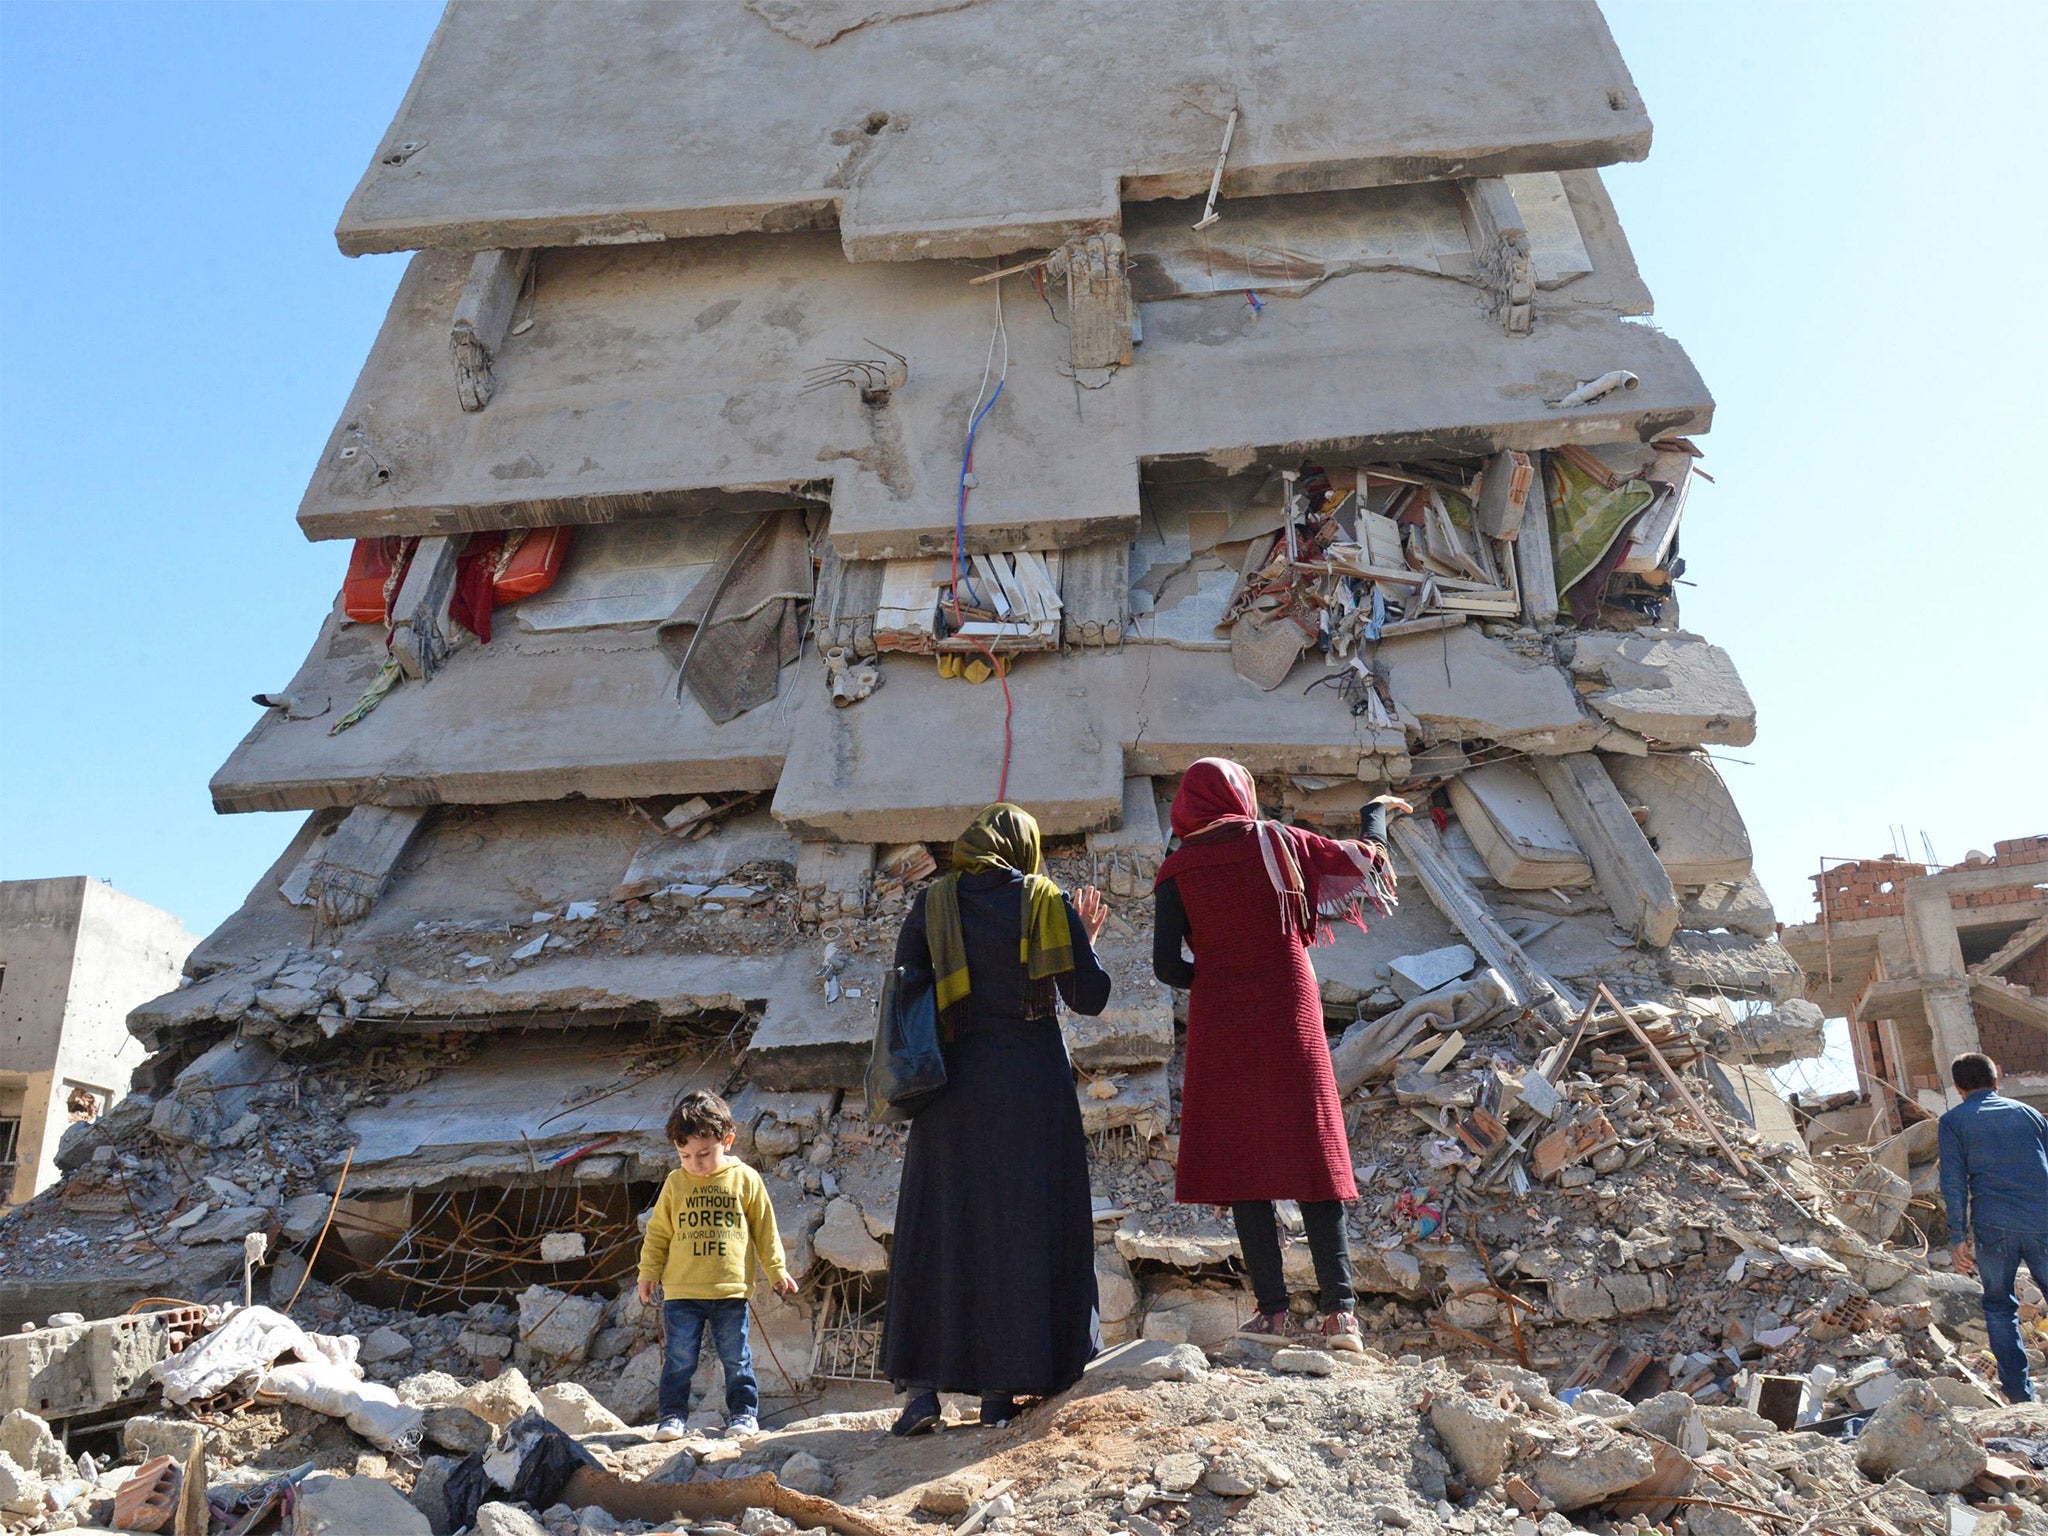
1159 1437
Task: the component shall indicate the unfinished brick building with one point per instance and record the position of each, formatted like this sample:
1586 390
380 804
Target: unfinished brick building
1928 964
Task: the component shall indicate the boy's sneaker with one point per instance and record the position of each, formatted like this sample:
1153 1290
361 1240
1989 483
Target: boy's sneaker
745 1424
1269 1328
670 1429
1340 1332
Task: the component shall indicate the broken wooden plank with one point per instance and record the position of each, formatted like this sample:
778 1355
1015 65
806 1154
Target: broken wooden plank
1533 562
1445 1052
419 614
1635 884
483 317
1650 545
1456 898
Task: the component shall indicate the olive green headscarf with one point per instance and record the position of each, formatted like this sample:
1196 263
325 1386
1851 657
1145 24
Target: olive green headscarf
1001 837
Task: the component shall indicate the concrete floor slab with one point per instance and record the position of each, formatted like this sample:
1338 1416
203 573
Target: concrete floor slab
530 1097
968 129
671 378
527 717
924 754
1179 706
536 717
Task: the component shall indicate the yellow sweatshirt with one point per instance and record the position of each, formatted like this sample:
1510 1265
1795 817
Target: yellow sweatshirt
700 1233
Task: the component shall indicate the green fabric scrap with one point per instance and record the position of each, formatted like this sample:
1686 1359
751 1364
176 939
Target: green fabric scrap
1586 518
386 679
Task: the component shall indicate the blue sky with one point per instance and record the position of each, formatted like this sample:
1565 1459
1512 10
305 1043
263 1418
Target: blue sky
1835 219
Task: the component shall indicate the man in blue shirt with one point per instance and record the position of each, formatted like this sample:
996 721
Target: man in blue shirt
1994 1180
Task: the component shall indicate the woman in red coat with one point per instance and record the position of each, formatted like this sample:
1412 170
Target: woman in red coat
1259 1116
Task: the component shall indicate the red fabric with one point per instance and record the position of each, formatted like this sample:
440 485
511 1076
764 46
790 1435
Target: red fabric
475 577
375 569
534 565
481 585
1259 1114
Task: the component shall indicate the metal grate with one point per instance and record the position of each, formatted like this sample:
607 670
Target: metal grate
849 1339
10 1144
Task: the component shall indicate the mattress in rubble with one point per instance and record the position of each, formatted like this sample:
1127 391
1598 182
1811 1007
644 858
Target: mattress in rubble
1510 819
1688 815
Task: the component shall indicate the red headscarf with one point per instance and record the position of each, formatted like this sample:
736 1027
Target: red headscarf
1314 877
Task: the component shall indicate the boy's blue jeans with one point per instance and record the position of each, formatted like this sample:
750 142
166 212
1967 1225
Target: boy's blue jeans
683 1325
1999 1251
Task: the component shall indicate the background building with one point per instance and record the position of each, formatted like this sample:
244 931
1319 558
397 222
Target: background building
75 956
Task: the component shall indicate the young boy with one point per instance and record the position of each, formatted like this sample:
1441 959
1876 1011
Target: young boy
713 1214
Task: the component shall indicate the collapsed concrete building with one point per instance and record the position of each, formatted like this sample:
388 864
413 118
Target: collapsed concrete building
1925 965
75 956
924 405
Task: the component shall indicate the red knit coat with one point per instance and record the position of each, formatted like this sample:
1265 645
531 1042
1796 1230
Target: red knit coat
1259 1114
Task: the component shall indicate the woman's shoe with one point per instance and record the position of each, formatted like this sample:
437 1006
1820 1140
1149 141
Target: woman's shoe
998 1412
1269 1328
1340 1332
920 1416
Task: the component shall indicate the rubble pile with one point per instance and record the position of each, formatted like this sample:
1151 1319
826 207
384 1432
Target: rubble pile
1158 1438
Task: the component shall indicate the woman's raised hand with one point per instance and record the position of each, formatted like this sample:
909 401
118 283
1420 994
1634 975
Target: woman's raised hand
1092 910
1394 804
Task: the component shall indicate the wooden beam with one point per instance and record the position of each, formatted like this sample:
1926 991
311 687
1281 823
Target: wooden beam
1637 887
1459 901
1533 562
419 614
361 857
483 316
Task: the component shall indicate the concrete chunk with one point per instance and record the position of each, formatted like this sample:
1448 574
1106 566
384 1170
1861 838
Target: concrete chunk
1475 1432
1413 975
1915 1436
328 1505
1136 1029
1137 1100
1461 684
1668 685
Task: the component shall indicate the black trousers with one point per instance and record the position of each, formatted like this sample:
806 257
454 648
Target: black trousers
1258 1238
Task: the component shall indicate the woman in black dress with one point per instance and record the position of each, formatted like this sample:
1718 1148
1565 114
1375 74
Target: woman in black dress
992 1275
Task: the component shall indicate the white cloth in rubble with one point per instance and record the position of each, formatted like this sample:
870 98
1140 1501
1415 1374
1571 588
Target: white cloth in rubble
369 1408
324 1375
242 1344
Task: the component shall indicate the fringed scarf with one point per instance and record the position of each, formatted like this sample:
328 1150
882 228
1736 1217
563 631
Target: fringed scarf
1319 880
1001 837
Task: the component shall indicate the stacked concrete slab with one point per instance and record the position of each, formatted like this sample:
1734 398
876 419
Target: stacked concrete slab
647 234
